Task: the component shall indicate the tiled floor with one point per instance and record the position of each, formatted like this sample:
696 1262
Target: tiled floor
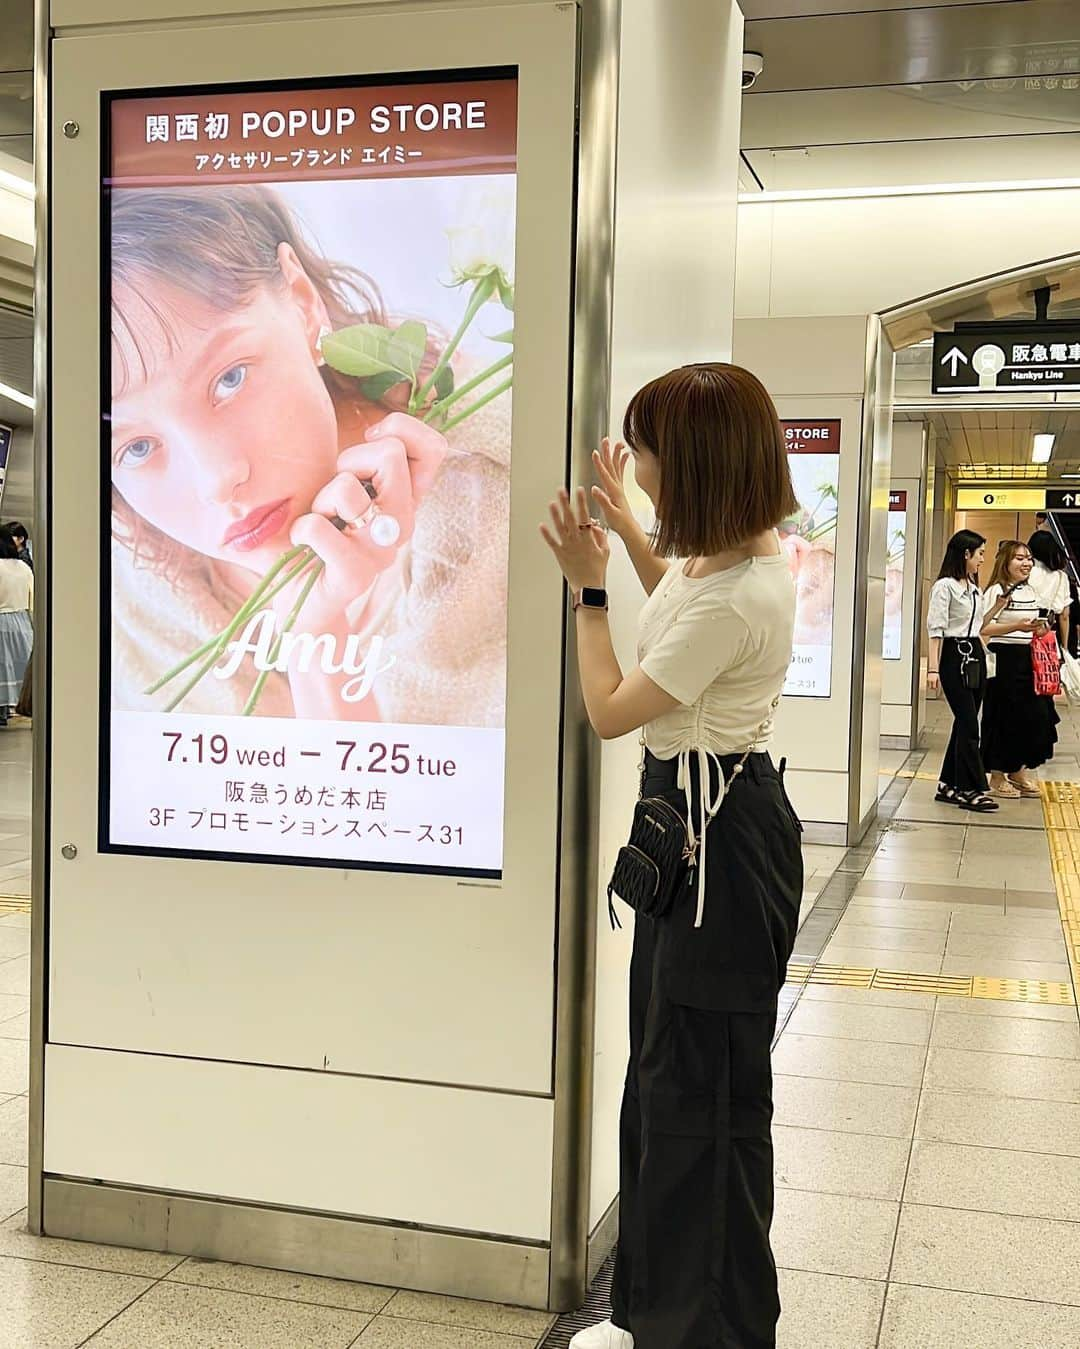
927 1149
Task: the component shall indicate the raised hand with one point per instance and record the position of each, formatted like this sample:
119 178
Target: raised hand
610 463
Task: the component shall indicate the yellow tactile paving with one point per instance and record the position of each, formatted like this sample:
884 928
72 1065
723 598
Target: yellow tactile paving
1061 817
940 985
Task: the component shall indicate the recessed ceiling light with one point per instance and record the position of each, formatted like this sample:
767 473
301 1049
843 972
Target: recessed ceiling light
1042 447
16 396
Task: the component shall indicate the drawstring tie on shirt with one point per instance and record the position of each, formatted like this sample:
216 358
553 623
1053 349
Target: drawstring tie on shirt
709 804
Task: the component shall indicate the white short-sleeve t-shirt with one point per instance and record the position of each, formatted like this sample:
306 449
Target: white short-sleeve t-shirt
721 644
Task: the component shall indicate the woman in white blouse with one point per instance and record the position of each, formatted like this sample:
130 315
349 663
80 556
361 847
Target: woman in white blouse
694 1263
958 664
1050 580
1019 728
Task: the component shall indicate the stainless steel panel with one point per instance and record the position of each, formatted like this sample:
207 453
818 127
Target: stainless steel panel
343 1248
39 884
578 876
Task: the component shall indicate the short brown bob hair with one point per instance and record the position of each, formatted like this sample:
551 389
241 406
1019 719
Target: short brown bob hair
724 473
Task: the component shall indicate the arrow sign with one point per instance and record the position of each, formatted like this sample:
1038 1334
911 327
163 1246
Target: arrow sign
1068 498
955 356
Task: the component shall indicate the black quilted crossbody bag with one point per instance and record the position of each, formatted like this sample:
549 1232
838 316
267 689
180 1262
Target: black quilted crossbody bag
654 863
665 849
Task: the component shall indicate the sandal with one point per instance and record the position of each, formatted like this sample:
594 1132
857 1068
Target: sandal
977 801
1005 787
1025 786
946 795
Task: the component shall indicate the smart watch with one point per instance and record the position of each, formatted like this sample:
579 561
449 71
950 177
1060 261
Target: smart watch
589 598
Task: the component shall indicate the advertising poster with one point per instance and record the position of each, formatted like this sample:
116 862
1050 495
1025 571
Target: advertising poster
809 540
310 352
894 576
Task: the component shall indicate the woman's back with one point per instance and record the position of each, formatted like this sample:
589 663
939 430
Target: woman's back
721 645
16 586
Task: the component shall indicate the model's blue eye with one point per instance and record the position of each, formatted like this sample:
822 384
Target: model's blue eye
136 453
229 382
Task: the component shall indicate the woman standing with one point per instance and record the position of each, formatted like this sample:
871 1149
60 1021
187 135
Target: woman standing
1019 727
958 665
16 628
694 1264
1050 581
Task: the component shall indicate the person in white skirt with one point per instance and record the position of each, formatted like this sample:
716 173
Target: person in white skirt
16 626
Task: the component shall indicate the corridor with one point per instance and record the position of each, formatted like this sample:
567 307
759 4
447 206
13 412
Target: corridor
928 1143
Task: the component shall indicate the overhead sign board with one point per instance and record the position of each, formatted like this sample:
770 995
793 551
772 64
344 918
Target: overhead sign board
1012 499
1063 499
1007 358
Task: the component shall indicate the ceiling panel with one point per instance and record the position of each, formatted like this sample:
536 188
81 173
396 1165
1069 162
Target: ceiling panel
17 27
20 147
995 444
899 113
916 45
963 160
788 9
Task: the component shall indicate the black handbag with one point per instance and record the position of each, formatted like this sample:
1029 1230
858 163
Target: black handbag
664 850
654 862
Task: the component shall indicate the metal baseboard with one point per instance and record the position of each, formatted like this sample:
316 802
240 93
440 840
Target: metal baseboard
597 1307
457 1264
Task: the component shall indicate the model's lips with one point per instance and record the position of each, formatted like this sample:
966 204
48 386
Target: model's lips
257 528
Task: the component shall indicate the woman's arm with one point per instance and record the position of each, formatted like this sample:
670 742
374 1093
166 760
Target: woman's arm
934 664
991 629
615 705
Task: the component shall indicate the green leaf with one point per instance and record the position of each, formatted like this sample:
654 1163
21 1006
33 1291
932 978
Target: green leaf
409 344
506 292
507 337
377 387
444 385
367 349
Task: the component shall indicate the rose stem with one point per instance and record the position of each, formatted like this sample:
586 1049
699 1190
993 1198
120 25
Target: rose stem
482 292
286 627
223 637
480 402
448 402
254 599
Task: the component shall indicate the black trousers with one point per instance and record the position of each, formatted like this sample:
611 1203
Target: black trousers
962 767
694 1268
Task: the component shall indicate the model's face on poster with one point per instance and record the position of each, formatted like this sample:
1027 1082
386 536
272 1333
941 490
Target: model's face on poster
223 430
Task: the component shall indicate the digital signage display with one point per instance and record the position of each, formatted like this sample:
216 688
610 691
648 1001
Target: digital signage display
809 542
894 575
308 355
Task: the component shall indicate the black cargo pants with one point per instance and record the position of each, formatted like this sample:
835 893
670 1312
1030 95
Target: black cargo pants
694 1268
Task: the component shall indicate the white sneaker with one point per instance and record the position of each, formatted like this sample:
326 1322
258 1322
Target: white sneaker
603 1336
